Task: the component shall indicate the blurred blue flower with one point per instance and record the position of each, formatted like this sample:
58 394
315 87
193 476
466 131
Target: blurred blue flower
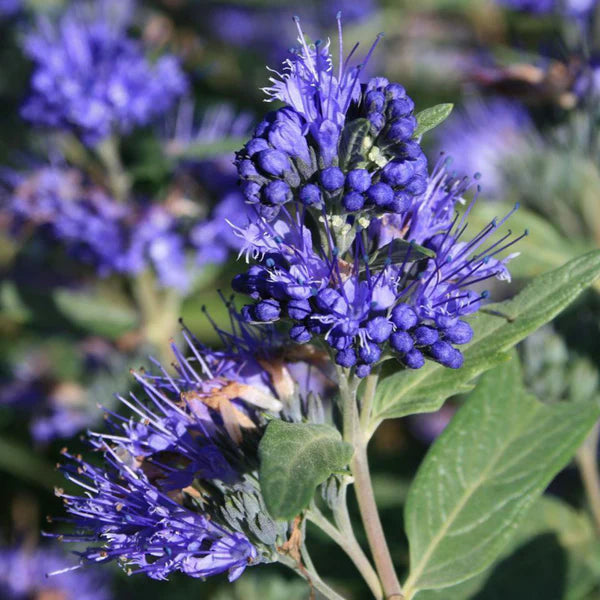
534 6
9 8
24 575
213 170
91 77
53 407
483 136
58 204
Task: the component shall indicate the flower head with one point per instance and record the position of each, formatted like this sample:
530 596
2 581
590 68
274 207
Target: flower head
337 142
91 77
178 490
400 286
356 244
145 529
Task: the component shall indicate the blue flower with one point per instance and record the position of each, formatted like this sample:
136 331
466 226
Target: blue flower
90 77
24 573
147 531
356 244
178 489
337 141
367 301
485 136
59 204
188 429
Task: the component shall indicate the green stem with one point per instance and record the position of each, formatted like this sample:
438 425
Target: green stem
310 574
367 401
588 468
372 524
159 311
118 179
362 483
343 536
348 399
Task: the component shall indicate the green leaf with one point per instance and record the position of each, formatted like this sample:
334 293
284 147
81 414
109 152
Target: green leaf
431 117
294 459
352 142
22 462
553 554
206 150
424 390
483 474
543 249
94 312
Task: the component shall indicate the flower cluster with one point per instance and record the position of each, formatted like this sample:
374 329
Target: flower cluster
179 490
24 575
58 203
386 294
58 406
355 243
307 150
91 77
145 528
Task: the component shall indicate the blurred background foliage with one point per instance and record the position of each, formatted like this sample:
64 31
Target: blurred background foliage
526 117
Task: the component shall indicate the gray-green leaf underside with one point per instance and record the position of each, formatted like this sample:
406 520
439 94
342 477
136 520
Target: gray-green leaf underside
294 459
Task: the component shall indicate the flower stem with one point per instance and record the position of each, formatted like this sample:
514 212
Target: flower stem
344 537
310 575
372 524
118 179
588 468
362 480
367 400
159 311
348 405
